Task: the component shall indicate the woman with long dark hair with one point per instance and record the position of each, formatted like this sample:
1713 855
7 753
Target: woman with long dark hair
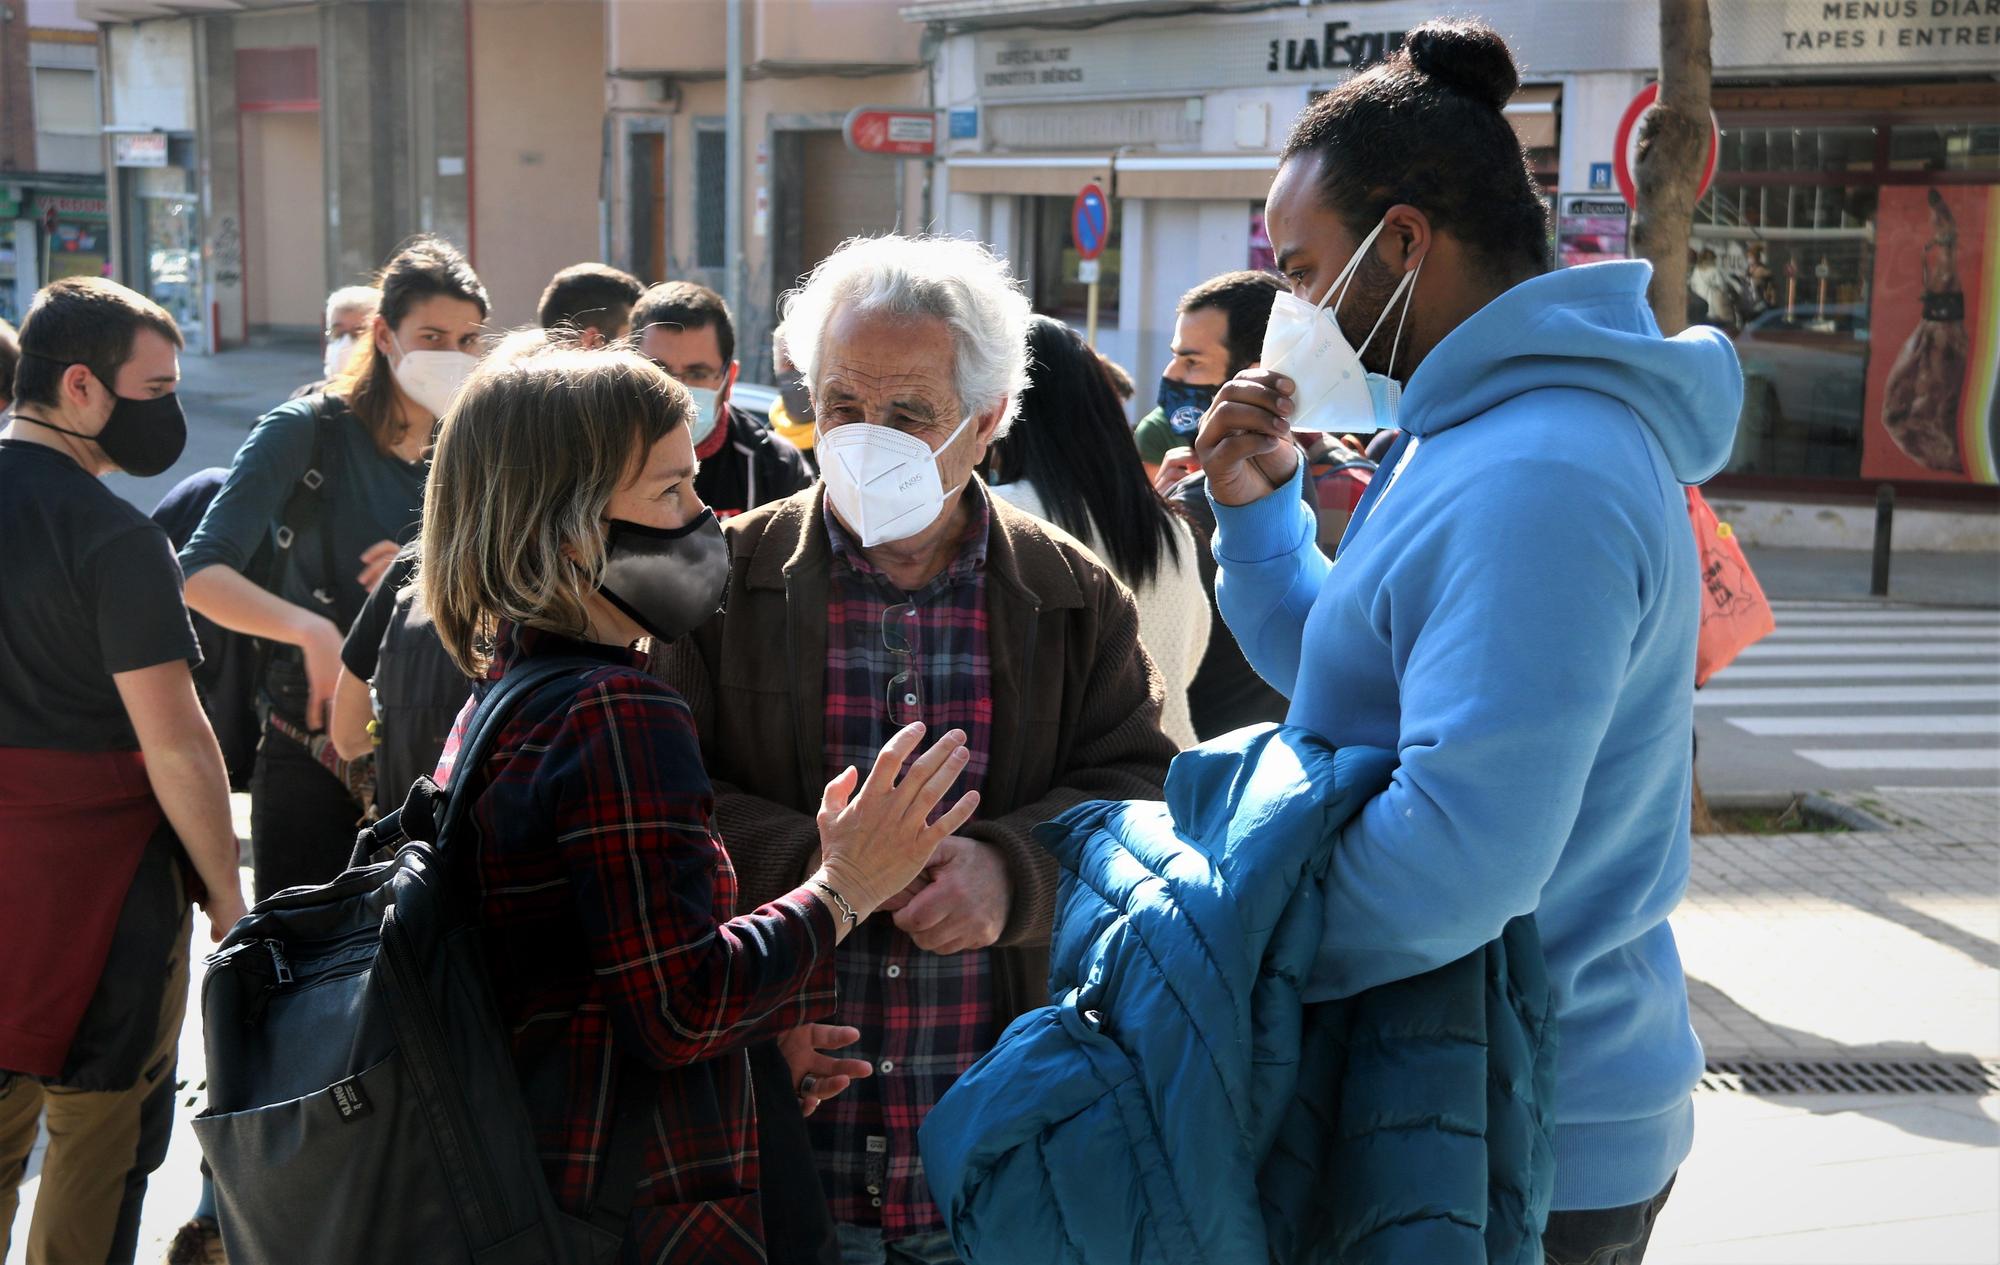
318 501
1068 458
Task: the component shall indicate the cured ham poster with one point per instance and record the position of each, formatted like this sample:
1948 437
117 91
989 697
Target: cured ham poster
1933 403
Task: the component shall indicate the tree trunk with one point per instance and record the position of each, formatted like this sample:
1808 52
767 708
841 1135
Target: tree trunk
1673 148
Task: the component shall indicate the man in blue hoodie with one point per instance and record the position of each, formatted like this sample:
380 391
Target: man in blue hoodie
1514 606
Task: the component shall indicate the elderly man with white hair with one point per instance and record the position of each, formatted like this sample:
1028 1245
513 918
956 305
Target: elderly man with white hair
898 592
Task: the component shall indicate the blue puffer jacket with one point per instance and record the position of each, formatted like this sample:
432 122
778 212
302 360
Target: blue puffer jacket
1178 1103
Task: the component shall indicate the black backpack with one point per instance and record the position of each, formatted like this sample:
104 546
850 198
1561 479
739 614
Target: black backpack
363 1102
232 664
418 691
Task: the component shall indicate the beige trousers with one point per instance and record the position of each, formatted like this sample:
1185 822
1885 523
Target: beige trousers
93 1144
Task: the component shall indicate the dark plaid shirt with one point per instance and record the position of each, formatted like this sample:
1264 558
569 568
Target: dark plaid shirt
923 1018
606 901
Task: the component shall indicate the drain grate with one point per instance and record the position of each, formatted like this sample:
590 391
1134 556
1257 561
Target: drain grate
1841 1076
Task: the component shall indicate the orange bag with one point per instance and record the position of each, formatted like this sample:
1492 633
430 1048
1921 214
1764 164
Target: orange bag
1734 612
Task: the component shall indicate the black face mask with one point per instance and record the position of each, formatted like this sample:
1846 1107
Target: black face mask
1184 404
141 437
670 581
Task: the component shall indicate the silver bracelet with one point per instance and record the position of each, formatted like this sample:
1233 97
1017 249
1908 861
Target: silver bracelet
847 913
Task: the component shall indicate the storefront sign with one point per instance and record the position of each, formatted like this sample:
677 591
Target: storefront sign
1934 361
1893 29
891 132
1336 47
1590 230
1600 177
965 124
1176 56
139 149
68 208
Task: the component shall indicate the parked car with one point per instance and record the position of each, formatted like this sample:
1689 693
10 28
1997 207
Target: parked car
1805 375
754 397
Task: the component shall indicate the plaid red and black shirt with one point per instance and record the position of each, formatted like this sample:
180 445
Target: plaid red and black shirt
924 1019
606 902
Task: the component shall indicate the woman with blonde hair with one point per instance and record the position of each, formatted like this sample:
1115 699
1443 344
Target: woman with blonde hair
561 519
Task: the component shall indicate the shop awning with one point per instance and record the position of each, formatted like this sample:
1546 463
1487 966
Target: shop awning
1033 175
1214 177
1533 114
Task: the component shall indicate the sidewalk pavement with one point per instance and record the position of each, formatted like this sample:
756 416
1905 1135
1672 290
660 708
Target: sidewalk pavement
1837 950
1834 949
1930 579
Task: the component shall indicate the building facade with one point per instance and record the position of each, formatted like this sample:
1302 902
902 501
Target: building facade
265 154
1845 125
807 64
53 218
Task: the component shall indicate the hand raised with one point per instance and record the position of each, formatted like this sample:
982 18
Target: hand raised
1245 442
874 840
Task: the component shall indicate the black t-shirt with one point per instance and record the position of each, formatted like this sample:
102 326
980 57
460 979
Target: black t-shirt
362 649
91 589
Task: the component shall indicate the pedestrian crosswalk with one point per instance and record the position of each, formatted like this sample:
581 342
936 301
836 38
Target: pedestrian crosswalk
1874 689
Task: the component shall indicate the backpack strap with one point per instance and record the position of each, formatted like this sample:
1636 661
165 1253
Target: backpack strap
483 729
308 504
637 1096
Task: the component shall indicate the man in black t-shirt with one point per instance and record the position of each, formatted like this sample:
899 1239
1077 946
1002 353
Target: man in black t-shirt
110 778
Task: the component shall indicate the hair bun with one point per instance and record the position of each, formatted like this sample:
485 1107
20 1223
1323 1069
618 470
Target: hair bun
1466 55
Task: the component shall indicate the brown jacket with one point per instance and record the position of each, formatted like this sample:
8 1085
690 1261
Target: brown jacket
1076 709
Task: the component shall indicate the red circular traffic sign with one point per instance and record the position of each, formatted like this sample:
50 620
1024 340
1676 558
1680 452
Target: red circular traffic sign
1090 222
1625 149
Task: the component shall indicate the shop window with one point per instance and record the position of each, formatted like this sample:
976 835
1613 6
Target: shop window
1056 291
711 167
1850 284
1945 147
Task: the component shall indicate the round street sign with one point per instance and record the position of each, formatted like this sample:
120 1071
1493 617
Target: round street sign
1625 150
1090 222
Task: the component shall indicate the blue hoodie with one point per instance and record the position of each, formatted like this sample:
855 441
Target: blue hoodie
1514 612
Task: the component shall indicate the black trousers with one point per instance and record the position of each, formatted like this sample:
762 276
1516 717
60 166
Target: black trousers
1603 1236
302 820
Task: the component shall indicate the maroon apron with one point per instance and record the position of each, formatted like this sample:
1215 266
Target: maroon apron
73 825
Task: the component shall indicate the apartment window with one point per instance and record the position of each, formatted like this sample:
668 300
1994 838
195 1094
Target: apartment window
711 167
66 101
67 135
647 170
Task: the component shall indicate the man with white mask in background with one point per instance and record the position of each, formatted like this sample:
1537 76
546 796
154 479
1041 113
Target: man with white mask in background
899 591
350 311
687 330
